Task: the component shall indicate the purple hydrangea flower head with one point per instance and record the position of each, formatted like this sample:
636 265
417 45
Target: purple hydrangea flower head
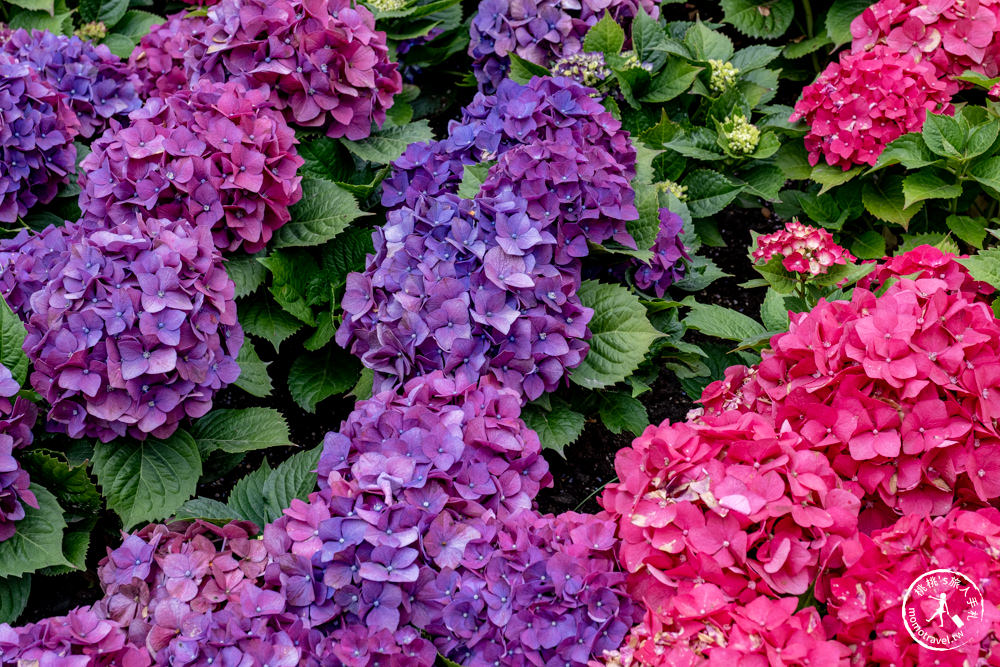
216 155
666 266
135 331
489 285
540 31
323 61
36 137
17 417
28 261
97 85
166 57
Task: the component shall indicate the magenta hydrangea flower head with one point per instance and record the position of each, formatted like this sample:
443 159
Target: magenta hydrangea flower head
136 331
36 136
864 101
165 59
323 61
17 417
97 85
216 156
667 265
803 249
540 31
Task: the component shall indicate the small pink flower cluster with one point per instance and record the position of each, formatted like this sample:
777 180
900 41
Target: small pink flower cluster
866 100
862 411
803 249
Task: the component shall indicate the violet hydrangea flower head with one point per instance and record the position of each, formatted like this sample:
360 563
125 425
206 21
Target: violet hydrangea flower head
540 31
29 260
136 331
97 85
323 61
165 59
864 101
667 265
36 136
216 155
17 417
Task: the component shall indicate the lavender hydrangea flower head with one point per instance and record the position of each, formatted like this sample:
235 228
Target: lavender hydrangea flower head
136 331
166 57
540 31
666 266
216 155
489 285
97 85
325 64
36 137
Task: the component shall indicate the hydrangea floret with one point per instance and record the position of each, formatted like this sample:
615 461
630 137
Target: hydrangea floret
17 417
742 135
387 5
805 250
588 69
37 129
216 155
96 83
135 331
323 62
676 189
722 76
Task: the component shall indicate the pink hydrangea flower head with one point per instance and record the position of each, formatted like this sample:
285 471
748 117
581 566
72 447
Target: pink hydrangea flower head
803 249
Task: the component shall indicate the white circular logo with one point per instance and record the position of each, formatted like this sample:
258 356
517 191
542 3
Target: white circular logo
943 610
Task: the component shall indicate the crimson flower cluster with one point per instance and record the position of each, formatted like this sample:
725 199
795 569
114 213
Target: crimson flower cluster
862 411
803 249
97 85
323 61
216 155
666 266
17 417
489 285
166 55
36 137
135 329
864 101
540 31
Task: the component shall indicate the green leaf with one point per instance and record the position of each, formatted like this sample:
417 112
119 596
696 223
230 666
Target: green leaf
247 497
620 412
247 273
108 12
645 229
262 317
971 230
522 71
148 480
928 184
763 180
720 322
869 245
72 485
908 150
605 37
36 5
473 177
648 40
326 328
830 177
984 266
38 540
136 24
325 211
253 378
61 23
839 17
701 273
75 545
884 199
941 241
763 20
754 57
987 172
415 11
675 78
120 45
386 145
981 138
793 161
709 192
11 339
556 427
294 478
290 274
621 335
14 593
944 135
805 47
317 376
241 430
207 509
707 44
363 389
774 312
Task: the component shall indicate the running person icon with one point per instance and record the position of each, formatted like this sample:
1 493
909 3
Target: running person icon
942 607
